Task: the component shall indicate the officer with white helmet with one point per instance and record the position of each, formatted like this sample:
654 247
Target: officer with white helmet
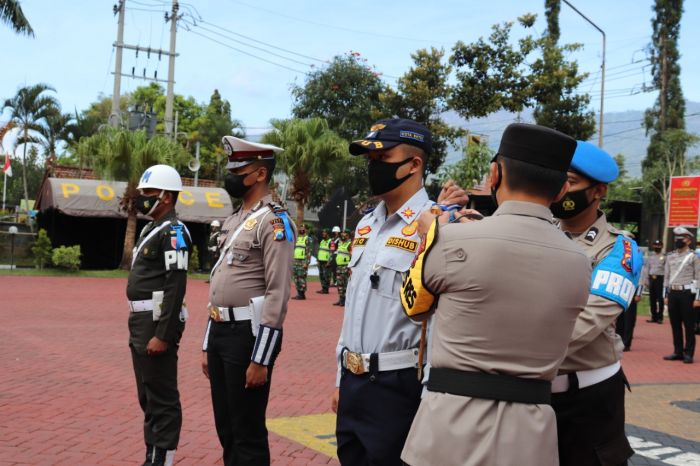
213 243
335 241
156 292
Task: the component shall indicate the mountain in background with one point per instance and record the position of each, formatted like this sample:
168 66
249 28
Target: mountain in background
623 132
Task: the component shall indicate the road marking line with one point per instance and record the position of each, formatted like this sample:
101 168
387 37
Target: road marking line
654 450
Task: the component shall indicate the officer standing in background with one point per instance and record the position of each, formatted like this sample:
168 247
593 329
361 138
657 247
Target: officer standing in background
213 243
302 256
156 291
681 278
335 240
247 304
377 353
323 257
496 347
589 394
342 259
653 278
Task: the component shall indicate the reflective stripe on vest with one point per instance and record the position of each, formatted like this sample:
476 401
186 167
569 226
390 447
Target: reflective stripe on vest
324 250
300 247
343 257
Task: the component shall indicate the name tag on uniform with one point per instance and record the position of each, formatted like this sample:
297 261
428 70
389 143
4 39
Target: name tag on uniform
402 243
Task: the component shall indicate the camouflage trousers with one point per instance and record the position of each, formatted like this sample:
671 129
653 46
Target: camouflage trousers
342 274
299 271
324 274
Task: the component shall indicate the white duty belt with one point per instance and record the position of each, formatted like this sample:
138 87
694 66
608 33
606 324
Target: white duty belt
141 306
229 314
560 384
359 363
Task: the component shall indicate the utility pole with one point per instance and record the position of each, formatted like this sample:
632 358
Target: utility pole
602 73
171 71
664 87
114 116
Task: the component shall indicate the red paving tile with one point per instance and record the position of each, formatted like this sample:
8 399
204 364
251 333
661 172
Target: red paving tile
67 394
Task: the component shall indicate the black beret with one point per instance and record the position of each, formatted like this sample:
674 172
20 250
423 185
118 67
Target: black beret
538 145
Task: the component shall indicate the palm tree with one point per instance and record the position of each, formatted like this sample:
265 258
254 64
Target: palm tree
56 128
123 156
11 13
29 108
311 151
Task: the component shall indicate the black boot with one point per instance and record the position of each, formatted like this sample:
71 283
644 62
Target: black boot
322 291
300 296
162 457
149 455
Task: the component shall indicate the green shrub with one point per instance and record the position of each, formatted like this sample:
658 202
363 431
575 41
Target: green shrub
194 260
67 257
42 249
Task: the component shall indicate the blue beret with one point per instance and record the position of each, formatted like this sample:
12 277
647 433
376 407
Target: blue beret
593 162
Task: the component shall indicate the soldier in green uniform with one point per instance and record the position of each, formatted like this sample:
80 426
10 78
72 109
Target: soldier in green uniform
323 258
342 259
302 256
156 290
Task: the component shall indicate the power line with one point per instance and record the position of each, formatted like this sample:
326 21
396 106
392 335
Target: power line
330 26
249 54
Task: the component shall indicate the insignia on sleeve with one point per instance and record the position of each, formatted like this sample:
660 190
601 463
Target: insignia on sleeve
616 277
364 230
277 229
177 240
359 242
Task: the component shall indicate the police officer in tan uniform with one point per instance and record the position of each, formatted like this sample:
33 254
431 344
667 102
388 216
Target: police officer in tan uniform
653 278
248 302
589 392
682 273
504 316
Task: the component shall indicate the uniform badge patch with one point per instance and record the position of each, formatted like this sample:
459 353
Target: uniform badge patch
250 224
359 242
364 230
592 234
408 213
402 243
627 256
410 230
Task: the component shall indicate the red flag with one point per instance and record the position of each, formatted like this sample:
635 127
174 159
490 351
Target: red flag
7 169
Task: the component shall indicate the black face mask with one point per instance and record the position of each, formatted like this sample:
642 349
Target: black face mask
382 176
147 204
573 203
233 184
679 243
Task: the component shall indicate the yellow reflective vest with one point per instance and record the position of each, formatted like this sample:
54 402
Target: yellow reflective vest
343 255
300 247
324 250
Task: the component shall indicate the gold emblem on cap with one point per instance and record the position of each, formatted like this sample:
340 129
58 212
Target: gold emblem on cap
250 224
377 127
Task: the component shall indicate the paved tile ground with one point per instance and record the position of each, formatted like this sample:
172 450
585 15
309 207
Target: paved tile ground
67 394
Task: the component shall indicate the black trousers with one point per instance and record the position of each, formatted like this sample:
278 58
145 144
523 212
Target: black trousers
591 423
656 298
156 384
625 324
682 316
239 412
375 412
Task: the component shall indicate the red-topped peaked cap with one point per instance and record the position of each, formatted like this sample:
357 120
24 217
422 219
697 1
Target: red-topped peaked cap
241 152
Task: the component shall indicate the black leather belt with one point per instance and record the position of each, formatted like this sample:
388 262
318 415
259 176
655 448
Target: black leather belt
490 386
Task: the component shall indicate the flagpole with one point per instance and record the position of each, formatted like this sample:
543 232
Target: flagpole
4 188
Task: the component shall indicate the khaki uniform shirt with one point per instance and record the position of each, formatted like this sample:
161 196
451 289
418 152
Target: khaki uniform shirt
688 275
656 263
504 307
594 343
258 263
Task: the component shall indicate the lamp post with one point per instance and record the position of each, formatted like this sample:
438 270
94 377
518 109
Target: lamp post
13 232
602 73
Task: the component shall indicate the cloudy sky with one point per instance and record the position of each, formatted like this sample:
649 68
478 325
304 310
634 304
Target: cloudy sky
253 50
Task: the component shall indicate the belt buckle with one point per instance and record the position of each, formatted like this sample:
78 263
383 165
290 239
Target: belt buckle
214 313
653 277
354 363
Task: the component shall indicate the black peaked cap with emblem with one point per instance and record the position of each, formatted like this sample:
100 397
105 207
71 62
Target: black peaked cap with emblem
538 145
391 132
